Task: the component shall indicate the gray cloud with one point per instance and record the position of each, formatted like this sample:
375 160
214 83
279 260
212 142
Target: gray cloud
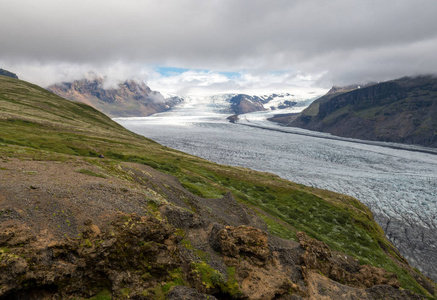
347 41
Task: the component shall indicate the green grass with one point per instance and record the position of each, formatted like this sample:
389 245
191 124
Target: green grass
37 124
278 229
337 114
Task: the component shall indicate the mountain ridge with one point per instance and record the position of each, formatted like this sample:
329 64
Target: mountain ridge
128 99
403 110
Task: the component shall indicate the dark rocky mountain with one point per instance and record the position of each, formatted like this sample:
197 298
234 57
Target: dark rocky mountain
243 104
90 210
8 74
129 99
402 110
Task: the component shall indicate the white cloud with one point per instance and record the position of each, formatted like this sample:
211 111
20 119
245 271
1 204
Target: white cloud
208 82
45 74
345 41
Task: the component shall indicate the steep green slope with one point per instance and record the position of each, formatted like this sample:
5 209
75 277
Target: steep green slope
402 110
38 125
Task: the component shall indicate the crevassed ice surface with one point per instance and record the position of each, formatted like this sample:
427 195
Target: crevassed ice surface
398 185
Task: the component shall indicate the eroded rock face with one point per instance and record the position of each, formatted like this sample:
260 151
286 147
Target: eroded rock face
236 242
260 274
341 267
131 257
139 257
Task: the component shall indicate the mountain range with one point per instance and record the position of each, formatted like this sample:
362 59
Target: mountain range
402 111
90 210
127 99
134 99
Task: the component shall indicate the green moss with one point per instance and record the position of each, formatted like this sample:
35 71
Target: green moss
213 279
231 286
157 292
186 244
125 292
210 277
5 250
176 277
87 243
103 295
202 255
180 232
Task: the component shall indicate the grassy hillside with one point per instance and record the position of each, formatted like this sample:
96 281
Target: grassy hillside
37 125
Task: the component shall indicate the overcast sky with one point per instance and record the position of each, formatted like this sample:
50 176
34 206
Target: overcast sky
219 45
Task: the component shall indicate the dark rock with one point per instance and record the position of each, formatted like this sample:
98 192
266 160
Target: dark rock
233 118
181 218
187 293
8 74
243 104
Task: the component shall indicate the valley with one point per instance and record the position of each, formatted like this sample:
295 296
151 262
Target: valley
397 182
90 210
218 150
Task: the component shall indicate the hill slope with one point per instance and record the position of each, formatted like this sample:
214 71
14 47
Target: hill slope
149 222
128 99
402 111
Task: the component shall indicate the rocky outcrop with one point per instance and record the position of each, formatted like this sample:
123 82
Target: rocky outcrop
342 268
401 111
8 74
141 257
243 104
93 262
127 99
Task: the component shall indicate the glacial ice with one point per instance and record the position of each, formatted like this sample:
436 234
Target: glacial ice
397 182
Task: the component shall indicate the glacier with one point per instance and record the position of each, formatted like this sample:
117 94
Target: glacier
397 182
